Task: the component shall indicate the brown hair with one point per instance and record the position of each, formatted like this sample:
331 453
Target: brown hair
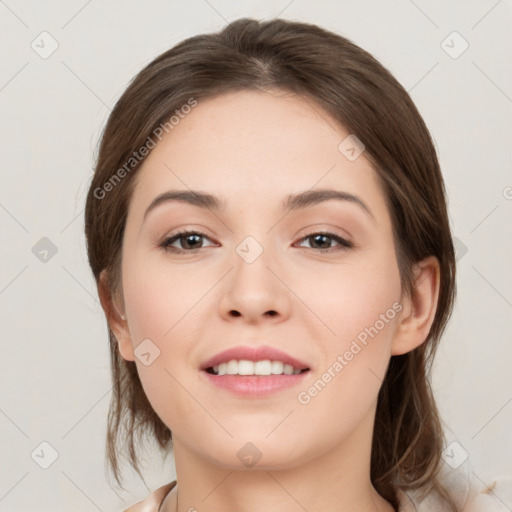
363 96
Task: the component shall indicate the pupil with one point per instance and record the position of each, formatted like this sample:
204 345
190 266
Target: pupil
188 237
319 238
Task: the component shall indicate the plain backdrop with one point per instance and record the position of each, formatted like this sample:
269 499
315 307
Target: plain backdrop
64 65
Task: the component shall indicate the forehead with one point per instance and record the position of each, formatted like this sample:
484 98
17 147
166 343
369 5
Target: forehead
251 146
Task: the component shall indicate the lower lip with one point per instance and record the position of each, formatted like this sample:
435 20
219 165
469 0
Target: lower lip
255 385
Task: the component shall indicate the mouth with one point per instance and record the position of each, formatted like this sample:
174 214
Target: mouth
242 380
254 372
262 368
259 361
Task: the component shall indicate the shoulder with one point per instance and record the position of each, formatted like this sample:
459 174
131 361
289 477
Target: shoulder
494 497
152 502
467 491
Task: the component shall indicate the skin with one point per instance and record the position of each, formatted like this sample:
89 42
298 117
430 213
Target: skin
252 149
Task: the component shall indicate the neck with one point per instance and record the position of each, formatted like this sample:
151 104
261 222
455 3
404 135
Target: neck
338 479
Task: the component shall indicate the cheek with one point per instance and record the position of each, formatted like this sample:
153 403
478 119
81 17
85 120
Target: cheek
345 388
361 311
352 297
166 312
160 298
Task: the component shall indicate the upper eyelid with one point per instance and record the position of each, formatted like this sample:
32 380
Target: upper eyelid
184 232
344 242
205 235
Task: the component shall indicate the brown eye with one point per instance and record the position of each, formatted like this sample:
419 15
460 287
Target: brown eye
189 241
323 241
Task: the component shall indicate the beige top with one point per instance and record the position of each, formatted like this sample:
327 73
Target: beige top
497 497
153 501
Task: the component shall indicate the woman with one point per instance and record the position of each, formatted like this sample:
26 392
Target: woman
267 226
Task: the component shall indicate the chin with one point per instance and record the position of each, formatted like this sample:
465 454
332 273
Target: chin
257 453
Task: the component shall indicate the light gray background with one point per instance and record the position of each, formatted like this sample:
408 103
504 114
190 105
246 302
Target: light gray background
55 380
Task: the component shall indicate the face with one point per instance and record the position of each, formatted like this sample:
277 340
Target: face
315 278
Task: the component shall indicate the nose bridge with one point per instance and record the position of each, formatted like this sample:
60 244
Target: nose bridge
252 262
250 249
253 290
256 246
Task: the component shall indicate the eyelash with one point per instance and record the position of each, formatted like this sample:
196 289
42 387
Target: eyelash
343 243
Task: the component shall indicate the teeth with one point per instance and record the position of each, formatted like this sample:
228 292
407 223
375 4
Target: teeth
244 367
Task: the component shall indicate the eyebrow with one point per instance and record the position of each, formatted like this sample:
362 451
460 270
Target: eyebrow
292 202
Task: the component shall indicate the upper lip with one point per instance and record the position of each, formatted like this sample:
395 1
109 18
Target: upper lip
254 354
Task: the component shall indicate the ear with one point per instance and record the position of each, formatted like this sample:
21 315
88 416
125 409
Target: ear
116 316
419 308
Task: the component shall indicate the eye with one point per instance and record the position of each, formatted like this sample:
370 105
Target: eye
190 241
323 241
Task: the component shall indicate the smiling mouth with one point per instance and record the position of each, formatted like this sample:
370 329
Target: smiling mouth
262 368
212 372
254 379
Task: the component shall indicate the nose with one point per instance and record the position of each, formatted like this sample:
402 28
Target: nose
255 291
